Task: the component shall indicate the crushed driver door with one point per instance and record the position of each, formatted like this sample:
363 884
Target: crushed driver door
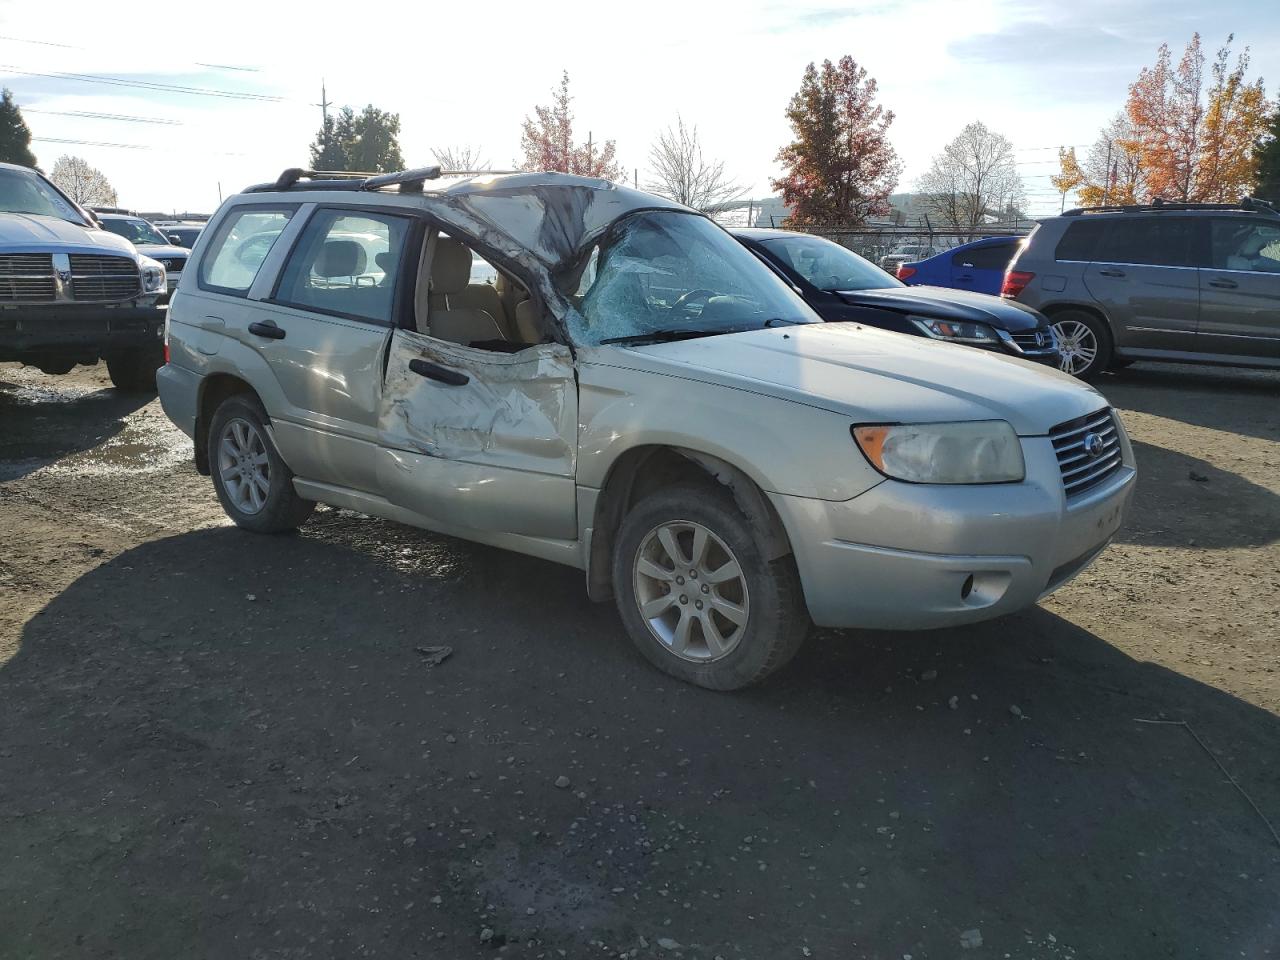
479 439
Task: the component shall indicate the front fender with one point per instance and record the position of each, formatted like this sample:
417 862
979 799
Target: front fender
782 446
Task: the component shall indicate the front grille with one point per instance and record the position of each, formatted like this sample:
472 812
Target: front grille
26 278
1026 340
97 277
1081 467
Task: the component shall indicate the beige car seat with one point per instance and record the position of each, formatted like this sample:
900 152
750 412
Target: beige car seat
451 317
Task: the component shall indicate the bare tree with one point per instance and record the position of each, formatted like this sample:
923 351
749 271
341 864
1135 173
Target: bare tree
86 185
465 157
975 177
681 173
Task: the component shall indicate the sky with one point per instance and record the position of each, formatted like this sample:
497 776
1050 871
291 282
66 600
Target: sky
1042 72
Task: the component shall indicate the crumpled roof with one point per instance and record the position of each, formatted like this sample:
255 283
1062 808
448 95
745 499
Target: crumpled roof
553 216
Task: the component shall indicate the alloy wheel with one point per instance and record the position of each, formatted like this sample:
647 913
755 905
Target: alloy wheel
1077 346
691 591
243 465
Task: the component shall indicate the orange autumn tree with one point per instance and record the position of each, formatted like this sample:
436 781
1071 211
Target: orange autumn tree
1069 175
1196 145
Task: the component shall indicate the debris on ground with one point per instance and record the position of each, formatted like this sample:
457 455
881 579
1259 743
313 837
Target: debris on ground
434 656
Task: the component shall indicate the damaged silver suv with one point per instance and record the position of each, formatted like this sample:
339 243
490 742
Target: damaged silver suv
582 372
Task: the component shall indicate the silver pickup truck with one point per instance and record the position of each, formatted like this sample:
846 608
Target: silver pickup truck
71 292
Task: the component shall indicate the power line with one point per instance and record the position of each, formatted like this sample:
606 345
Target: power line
226 66
90 115
91 143
43 43
148 85
72 46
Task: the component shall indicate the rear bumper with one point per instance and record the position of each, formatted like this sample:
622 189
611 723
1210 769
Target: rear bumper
80 332
912 557
179 391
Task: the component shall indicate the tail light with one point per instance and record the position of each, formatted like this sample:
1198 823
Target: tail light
1015 281
905 272
166 336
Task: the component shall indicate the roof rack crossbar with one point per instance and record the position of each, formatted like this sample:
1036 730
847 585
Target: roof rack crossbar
405 178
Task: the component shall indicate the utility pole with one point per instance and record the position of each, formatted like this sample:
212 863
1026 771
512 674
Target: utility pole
590 165
1106 189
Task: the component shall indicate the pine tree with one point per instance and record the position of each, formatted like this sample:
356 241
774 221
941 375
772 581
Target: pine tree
840 167
15 138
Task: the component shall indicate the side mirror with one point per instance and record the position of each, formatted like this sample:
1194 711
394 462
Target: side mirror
175 239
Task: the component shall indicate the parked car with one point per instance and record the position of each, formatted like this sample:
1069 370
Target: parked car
905 253
71 292
148 241
640 398
181 234
978 266
1189 282
842 286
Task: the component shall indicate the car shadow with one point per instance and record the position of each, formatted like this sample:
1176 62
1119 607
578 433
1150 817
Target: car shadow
1183 501
40 423
1219 398
234 740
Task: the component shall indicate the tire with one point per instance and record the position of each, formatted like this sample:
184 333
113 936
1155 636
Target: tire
730 653
135 372
253 483
1084 341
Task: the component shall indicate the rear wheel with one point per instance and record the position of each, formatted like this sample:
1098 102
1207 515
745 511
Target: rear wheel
253 483
1084 343
135 372
697 595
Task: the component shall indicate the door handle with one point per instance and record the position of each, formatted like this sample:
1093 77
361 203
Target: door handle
964 279
433 371
1111 273
266 329
1223 283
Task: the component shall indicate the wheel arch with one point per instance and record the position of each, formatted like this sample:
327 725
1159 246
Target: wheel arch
214 389
640 471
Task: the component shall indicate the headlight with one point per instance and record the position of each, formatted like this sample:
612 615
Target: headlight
956 331
152 275
983 451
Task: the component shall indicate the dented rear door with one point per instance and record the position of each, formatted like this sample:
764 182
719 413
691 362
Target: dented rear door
478 439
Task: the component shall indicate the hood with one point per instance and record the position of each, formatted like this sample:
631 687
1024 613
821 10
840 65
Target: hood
162 251
943 303
874 376
21 232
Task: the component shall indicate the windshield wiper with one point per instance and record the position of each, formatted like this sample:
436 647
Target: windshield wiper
783 322
668 334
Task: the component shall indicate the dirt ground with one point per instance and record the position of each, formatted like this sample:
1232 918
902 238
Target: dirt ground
219 745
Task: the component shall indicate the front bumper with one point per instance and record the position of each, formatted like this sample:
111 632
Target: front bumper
78 330
917 556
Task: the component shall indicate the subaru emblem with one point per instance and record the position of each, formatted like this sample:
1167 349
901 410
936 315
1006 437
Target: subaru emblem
1094 444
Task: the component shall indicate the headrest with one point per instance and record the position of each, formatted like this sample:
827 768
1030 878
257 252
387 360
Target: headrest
341 258
386 261
450 266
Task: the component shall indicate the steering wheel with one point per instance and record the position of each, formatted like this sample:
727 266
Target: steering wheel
683 303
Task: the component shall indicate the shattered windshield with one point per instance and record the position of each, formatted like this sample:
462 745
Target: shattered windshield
829 266
668 273
27 193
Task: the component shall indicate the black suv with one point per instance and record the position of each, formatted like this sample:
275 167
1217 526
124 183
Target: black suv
1166 281
842 286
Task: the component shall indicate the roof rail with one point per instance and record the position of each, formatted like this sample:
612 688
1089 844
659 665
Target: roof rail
409 181
1160 205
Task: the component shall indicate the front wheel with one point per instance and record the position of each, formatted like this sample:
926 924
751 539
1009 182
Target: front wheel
1084 343
698 597
253 483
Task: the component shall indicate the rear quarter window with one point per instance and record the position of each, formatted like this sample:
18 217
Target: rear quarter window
244 238
1080 241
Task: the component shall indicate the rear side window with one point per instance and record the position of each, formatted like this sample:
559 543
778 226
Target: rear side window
1160 241
244 238
996 256
1080 242
346 264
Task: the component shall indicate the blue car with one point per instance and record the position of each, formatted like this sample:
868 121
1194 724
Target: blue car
978 266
